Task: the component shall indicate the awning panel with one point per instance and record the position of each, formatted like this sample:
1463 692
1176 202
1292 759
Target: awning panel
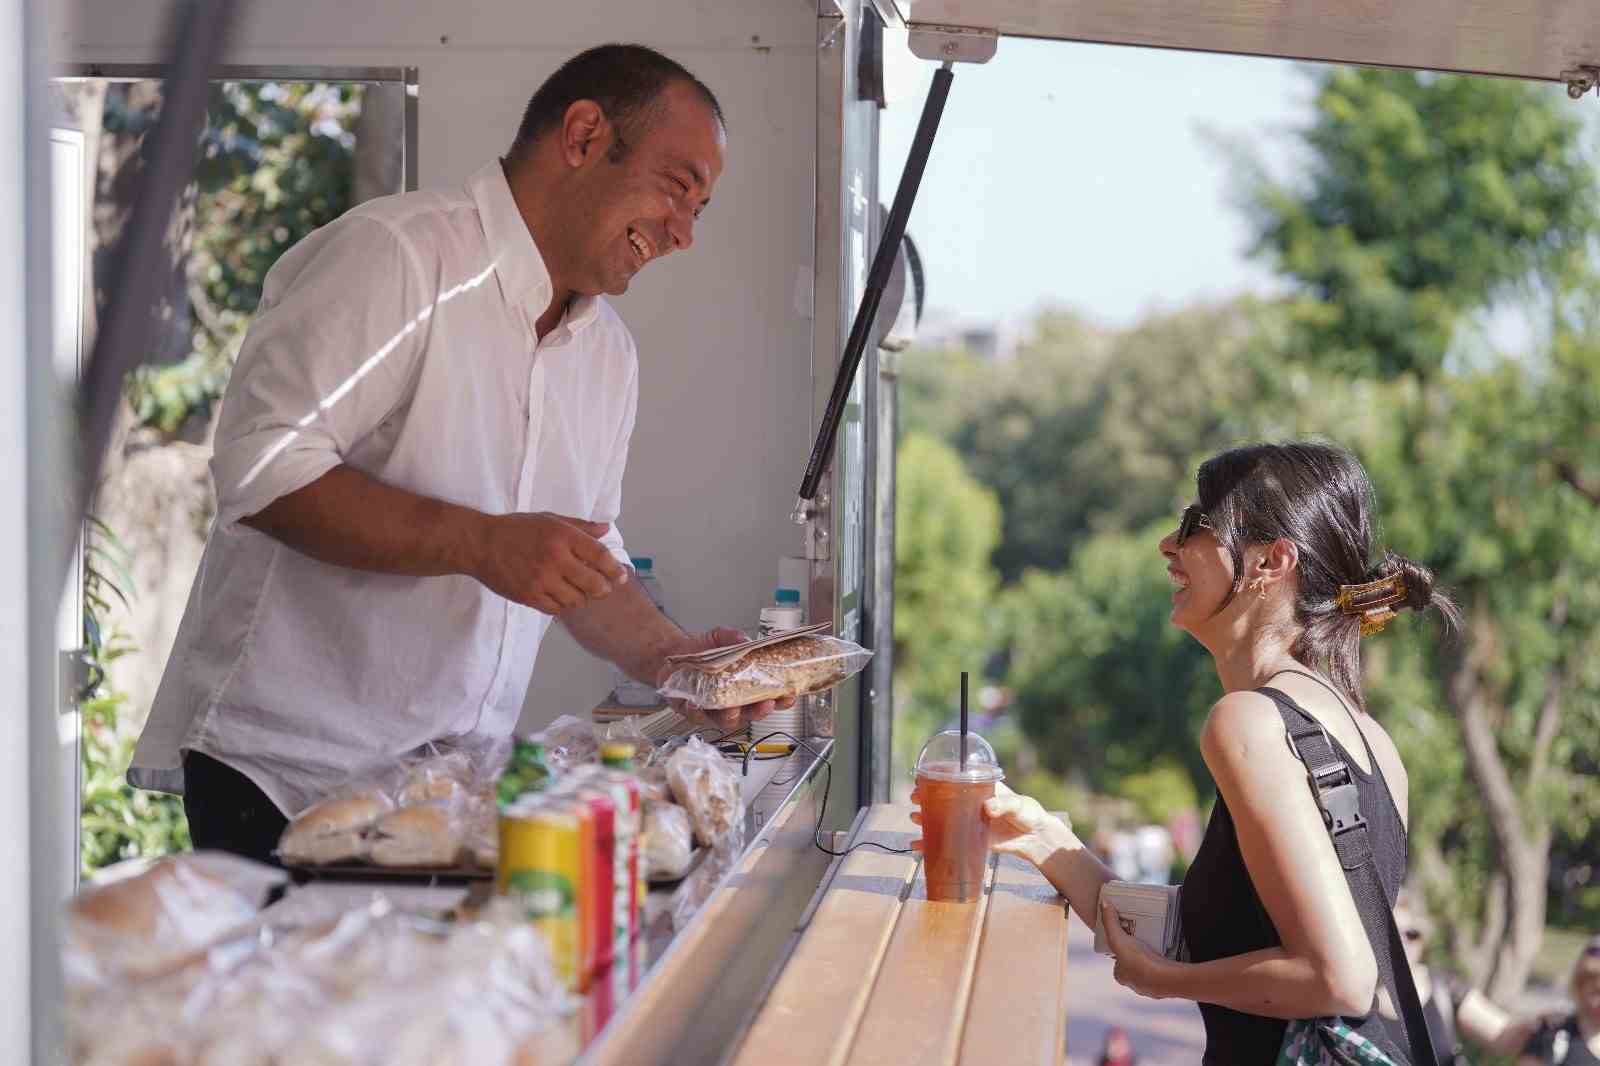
1517 38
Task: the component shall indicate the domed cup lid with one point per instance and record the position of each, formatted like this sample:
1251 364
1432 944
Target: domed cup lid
941 759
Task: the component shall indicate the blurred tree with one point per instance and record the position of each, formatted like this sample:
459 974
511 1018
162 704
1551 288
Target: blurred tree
1424 198
1471 470
1427 203
1097 668
1085 430
276 162
946 528
1427 199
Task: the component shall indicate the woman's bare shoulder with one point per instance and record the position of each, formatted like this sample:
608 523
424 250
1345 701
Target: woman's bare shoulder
1241 729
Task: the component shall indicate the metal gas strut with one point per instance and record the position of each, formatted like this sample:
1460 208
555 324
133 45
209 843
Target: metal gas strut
882 264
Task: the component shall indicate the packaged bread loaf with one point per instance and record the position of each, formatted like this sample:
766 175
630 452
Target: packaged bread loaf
770 669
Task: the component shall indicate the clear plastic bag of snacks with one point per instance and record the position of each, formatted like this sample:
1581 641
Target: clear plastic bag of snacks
777 667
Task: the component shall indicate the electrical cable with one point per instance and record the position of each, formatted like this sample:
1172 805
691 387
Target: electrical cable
827 787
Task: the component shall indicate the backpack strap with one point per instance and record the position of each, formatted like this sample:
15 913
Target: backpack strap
1334 789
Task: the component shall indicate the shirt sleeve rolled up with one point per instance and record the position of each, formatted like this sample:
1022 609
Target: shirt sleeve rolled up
333 352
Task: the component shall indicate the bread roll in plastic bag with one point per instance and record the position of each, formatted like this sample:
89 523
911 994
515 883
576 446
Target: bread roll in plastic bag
144 918
707 787
793 667
568 742
668 841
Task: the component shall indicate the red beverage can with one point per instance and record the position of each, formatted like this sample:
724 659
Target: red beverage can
597 846
627 883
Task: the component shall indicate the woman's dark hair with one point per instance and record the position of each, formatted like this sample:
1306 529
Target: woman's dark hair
1318 497
626 80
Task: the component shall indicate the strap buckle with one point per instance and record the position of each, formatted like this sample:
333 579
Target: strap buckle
1335 790
1341 805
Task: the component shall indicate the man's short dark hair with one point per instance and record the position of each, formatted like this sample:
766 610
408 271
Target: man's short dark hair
626 80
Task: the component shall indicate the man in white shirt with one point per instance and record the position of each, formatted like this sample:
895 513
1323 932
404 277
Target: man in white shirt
419 461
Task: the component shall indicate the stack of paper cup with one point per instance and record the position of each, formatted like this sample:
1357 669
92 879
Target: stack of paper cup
790 720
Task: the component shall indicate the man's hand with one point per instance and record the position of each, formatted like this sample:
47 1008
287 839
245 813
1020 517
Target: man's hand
728 719
549 562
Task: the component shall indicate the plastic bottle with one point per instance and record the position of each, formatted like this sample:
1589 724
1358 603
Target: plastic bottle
628 692
785 613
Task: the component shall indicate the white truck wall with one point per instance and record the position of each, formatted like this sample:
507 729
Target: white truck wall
17 712
724 330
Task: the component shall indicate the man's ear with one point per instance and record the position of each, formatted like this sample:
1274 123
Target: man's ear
1278 561
584 130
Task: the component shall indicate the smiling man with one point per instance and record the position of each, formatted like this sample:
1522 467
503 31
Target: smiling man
419 460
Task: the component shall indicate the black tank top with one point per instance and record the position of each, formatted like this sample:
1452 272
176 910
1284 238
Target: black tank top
1223 916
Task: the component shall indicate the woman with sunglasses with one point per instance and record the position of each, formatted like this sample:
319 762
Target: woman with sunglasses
1574 1040
1456 1012
1277 572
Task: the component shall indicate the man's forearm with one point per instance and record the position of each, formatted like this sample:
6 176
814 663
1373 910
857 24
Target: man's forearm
625 628
348 518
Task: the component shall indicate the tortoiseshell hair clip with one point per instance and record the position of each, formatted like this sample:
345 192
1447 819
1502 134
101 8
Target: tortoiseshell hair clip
1373 601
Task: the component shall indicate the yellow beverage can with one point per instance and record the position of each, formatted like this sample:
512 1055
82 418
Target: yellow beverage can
541 867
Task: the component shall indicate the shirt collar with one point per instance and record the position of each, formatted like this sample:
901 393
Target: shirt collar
524 279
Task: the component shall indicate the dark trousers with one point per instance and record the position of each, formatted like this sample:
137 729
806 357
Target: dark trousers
227 812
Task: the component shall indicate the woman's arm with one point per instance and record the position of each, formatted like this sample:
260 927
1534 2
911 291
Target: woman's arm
1270 982
1485 1024
1018 825
1325 965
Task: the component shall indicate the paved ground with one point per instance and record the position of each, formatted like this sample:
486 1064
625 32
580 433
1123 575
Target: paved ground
1165 1032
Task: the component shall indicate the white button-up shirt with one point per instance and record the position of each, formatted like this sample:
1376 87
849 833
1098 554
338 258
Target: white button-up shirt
399 340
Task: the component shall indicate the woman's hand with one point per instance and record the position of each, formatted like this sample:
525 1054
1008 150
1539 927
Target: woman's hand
1138 968
1018 825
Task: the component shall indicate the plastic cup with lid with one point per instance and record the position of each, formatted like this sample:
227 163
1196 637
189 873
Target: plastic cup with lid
950 793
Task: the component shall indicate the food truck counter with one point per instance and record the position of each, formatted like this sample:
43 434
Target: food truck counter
179 963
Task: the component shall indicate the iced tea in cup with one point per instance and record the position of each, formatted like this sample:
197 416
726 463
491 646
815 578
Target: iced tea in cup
955 838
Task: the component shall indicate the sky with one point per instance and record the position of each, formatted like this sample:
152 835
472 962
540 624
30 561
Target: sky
1087 176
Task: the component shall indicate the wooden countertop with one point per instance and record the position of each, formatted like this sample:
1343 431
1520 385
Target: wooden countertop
881 974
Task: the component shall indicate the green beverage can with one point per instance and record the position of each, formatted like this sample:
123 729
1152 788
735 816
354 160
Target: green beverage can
525 772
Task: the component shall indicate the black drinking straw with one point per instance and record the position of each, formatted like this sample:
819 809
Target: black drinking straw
963 721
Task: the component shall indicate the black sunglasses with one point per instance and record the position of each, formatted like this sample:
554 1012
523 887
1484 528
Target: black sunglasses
1193 518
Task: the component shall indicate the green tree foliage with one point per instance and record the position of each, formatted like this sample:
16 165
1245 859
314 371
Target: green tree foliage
1097 668
1472 471
275 164
1425 198
118 821
947 526
1423 204
1083 430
